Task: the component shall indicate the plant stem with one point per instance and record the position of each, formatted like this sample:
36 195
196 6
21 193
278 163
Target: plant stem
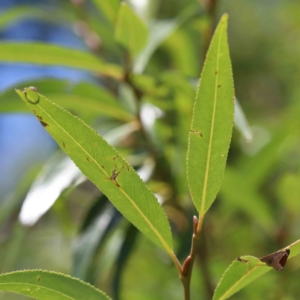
187 269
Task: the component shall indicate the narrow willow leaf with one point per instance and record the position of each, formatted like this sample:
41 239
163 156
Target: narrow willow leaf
239 274
47 54
243 271
44 285
82 98
102 164
212 123
108 8
240 121
20 12
58 174
131 31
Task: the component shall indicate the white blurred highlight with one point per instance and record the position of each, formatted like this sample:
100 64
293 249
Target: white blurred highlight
149 113
47 188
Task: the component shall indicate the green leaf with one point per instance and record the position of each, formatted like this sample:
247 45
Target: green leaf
58 174
103 165
240 121
109 8
131 31
242 272
46 285
212 123
82 98
21 12
238 275
47 54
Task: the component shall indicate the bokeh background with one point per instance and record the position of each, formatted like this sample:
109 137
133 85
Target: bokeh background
75 230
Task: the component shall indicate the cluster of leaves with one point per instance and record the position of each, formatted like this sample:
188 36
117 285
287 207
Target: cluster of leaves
158 149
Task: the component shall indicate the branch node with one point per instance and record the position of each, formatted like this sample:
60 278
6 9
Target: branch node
186 266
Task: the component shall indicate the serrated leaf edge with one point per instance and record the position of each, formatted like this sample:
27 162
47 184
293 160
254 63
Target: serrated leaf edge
225 295
55 273
203 202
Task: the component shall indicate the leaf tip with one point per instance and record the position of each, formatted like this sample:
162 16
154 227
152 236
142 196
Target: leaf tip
31 94
224 18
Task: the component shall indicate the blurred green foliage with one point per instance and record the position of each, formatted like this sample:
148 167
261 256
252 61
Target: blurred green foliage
257 209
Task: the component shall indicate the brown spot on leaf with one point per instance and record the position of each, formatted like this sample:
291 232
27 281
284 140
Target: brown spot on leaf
88 159
196 132
39 278
64 145
44 123
114 158
242 260
115 174
219 85
216 72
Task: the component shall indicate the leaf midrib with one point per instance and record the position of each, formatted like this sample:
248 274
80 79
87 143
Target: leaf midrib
203 202
223 297
166 246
